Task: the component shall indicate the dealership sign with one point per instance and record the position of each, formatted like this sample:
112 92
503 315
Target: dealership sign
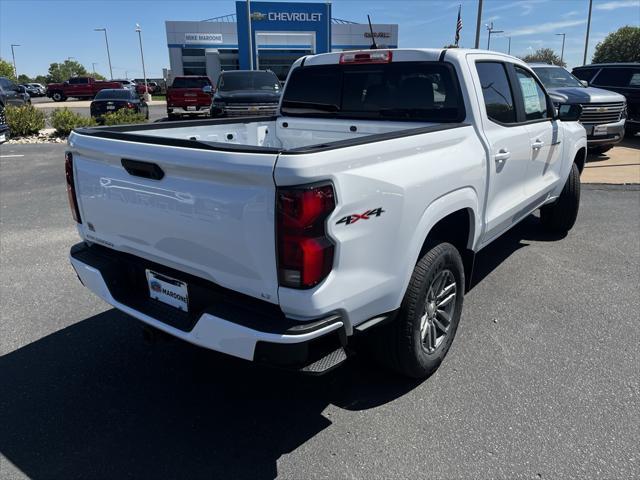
377 34
203 38
287 16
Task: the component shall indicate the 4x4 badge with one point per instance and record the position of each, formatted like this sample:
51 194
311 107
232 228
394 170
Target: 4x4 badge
349 219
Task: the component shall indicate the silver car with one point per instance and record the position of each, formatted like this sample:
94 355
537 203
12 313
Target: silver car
603 112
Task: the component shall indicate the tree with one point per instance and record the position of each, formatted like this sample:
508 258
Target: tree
97 76
22 78
60 72
623 45
40 79
6 69
544 55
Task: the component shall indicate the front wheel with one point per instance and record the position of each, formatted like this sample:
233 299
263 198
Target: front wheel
58 97
560 216
416 342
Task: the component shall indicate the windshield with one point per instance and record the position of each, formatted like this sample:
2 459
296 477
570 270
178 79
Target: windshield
556 77
121 94
402 91
191 82
231 81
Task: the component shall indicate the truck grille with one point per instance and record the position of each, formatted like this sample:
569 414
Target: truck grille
250 109
599 113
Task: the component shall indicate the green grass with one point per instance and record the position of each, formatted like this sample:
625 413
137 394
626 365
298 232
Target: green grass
158 97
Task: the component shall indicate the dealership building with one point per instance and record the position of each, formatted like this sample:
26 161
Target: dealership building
281 32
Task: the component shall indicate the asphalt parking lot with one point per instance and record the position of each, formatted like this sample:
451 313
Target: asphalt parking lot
541 382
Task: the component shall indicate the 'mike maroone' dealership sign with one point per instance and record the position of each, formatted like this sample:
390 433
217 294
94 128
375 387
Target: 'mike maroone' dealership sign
203 38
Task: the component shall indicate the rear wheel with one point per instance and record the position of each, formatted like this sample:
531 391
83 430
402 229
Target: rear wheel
416 342
58 97
560 216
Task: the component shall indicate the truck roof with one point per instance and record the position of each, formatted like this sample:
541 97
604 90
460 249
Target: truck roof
403 54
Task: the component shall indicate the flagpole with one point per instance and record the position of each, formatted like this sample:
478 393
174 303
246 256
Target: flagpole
458 25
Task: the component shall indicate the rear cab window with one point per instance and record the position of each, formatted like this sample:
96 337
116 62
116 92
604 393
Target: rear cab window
191 82
400 91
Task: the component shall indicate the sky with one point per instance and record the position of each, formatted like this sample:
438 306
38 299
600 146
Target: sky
53 30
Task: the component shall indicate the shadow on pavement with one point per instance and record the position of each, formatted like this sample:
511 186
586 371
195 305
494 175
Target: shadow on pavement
95 401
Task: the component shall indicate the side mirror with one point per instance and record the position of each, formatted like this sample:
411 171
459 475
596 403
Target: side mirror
569 113
584 83
207 89
66 82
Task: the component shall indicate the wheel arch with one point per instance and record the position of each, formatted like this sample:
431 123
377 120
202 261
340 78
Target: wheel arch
454 218
580 158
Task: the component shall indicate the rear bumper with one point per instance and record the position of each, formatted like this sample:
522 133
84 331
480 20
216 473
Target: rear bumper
221 320
614 134
200 109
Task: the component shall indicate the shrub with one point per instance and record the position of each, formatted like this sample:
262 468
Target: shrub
123 116
24 120
64 120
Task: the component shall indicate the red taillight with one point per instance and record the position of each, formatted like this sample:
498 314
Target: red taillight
372 56
71 188
130 105
305 252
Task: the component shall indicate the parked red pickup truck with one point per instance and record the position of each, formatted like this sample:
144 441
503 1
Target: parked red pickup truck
78 87
189 95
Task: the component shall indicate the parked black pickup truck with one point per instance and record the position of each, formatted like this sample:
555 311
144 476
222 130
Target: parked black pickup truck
244 92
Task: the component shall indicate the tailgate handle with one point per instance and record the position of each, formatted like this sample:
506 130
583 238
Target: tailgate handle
142 169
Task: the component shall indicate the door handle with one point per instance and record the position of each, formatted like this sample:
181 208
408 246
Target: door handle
502 155
537 145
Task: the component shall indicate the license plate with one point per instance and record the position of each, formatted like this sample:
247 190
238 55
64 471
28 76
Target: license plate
168 290
111 107
191 107
600 130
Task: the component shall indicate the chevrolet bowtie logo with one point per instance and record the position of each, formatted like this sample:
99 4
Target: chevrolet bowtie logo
602 109
258 16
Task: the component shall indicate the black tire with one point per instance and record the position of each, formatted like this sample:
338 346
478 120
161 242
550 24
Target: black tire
400 345
172 116
58 97
630 131
599 150
560 216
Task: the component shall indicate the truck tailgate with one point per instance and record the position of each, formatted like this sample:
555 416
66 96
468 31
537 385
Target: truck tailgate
211 214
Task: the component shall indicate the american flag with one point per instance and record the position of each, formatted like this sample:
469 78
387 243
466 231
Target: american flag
458 25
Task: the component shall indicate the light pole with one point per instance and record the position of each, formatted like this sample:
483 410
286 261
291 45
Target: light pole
478 21
13 54
93 66
562 51
491 30
586 40
147 97
108 54
509 49
250 35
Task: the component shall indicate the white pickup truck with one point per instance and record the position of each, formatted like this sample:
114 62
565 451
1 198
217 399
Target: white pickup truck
356 211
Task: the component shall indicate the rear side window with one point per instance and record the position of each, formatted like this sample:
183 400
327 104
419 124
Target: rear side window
534 98
616 77
78 81
402 91
496 92
186 82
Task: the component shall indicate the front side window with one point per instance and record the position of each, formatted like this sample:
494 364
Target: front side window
615 77
533 97
78 81
496 92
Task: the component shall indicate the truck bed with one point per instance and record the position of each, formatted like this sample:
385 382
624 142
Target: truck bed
265 134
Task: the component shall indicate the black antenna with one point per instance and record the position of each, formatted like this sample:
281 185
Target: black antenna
374 46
